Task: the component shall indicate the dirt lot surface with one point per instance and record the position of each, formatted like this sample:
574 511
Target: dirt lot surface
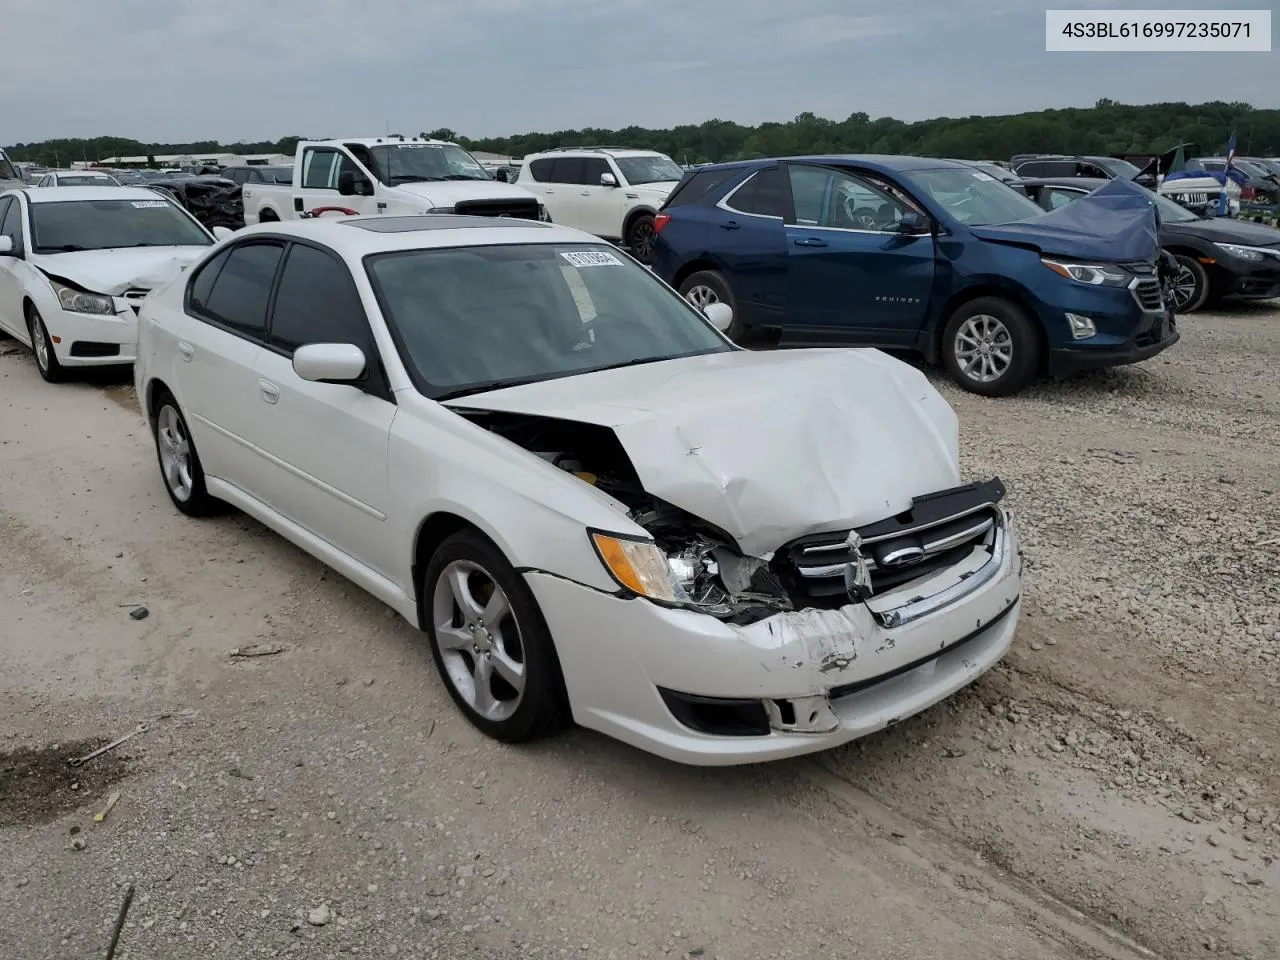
1110 791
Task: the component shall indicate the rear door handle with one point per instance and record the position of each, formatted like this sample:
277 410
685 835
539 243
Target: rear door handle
730 225
810 242
270 392
185 350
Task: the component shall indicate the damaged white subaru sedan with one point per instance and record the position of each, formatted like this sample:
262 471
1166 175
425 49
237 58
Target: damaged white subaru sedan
596 506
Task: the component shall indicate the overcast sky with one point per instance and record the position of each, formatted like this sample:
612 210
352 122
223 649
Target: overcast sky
183 70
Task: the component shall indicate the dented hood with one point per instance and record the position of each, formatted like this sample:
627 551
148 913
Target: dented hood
1114 224
766 446
114 271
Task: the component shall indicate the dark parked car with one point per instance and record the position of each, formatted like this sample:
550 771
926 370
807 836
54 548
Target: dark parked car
928 255
1218 257
213 200
258 174
1003 174
1059 165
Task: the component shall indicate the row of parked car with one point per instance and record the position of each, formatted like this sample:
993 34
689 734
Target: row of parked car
597 506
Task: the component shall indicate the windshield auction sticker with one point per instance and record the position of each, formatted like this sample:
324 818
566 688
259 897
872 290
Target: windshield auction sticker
1157 31
584 258
149 204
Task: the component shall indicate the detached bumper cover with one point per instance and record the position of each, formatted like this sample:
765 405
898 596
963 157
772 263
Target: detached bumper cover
825 677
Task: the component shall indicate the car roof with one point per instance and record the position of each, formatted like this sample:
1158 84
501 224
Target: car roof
379 141
1084 183
878 162
596 151
72 194
360 236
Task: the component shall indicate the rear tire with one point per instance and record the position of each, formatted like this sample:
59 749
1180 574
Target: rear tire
990 347
490 643
180 467
640 237
1191 285
268 216
710 286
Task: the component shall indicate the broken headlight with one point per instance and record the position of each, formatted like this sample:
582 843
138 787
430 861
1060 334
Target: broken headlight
639 566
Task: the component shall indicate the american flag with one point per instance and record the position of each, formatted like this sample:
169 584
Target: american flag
1231 150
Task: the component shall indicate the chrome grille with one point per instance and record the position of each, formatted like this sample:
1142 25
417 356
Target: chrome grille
1147 291
938 532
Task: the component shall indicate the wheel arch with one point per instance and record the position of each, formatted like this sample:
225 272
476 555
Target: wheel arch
694 266
634 214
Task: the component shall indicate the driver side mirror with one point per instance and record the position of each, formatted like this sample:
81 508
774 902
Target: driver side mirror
7 248
608 180
329 362
912 222
720 314
501 176
351 185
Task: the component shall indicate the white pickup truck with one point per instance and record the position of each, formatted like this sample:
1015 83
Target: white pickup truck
388 175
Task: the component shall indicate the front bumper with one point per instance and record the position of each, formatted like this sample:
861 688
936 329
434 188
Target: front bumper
1245 280
93 340
825 677
1157 334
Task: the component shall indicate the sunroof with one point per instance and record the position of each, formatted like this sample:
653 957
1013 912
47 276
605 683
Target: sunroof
442 221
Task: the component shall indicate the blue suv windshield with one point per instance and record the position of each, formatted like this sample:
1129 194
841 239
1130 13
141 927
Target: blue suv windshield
974 198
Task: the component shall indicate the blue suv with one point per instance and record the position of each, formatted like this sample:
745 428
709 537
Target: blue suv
919 254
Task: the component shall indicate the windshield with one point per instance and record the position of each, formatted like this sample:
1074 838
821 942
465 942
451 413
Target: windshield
7 172
655 169
467 319
1253 170
410 162
1170 212
974 198
1118 168
108 224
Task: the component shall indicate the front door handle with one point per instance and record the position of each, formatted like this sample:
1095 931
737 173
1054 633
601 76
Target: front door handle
810 242
270 392
731 225
185 350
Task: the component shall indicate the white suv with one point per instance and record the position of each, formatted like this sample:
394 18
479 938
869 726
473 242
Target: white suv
612 192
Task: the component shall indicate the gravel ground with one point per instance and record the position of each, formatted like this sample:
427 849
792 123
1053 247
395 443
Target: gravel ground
1111 790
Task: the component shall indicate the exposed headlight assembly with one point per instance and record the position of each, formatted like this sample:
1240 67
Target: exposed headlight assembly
78 301
640 566
1094 274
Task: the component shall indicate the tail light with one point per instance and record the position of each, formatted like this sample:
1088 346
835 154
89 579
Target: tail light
1246 193
660 220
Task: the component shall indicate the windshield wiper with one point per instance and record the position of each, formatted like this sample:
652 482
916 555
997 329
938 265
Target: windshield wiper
63 248
461 176
484 386
625 363
412 178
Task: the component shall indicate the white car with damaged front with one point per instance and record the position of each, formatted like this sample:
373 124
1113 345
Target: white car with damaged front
596 506
76 262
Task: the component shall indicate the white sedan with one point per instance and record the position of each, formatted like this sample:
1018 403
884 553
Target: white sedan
76 262
77 178
595 505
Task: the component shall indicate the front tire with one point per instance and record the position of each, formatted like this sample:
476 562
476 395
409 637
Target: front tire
1191 285
42 346
180 467
640 237
990 347
490 643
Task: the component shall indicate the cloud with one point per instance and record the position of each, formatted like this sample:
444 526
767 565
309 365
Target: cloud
165 71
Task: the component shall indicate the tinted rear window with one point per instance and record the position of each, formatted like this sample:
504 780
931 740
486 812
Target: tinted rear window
697 185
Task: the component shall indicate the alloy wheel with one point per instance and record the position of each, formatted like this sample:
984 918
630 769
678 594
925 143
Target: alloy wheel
479 640
701 295
40 343
1184 287
175 453
983 348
